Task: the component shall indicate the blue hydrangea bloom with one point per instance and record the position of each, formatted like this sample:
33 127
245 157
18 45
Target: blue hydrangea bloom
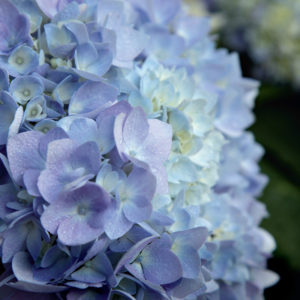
126 171
23 60
79 216
15 28
24 88
7 115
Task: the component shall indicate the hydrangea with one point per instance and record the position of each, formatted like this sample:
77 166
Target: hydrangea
126 168
260 31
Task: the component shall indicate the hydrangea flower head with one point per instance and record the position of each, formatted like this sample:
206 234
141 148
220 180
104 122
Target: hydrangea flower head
126 171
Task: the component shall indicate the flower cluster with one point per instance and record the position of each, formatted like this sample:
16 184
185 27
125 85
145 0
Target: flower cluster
257 26
126 171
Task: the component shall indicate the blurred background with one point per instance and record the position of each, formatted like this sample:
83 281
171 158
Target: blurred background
266 33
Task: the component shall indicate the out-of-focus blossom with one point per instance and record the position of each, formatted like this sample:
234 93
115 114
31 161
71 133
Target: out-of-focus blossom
256 26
